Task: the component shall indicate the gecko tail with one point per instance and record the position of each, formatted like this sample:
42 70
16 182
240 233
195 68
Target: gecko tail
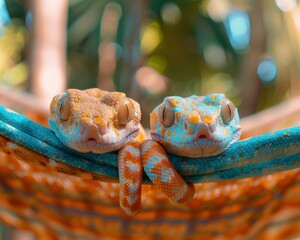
130 177
161 172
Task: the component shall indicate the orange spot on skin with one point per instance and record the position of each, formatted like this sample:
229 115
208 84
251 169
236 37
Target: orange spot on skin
226 131
153 116
207 119
174 102
163 131
86 120
93 129
194 118
153 120
99 121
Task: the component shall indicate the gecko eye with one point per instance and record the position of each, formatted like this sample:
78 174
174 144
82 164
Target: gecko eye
227 111
126 112
64 108
166 115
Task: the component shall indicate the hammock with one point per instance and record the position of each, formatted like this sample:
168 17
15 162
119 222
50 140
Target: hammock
257 156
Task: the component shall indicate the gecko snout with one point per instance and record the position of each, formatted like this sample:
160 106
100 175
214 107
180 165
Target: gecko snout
205 128
203 131
94 130
91 133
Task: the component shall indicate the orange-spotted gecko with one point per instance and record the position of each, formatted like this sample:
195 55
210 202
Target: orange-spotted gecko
196 126
98 121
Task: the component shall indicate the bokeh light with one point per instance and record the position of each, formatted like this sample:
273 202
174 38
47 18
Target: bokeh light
151 80
28 19
4 17
286 5
178 48
110 18
13 71
217 10
237 26
267 70
171 13
15 75
296 17
151 37
214 55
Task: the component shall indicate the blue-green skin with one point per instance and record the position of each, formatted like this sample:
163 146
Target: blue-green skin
198 129
257 156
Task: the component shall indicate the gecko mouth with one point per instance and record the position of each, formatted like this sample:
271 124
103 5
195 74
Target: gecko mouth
91 144
91 139
202 145
200 138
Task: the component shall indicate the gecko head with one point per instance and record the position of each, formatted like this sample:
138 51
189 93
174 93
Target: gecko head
196 126
93 120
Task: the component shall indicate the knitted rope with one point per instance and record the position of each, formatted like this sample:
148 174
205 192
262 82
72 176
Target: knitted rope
257 156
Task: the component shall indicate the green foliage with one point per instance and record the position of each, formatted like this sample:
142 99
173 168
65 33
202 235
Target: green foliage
185 43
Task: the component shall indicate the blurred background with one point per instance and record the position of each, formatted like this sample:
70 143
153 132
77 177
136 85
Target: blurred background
149 49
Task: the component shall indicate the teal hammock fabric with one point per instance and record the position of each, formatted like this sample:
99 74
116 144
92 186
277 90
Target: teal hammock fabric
257 156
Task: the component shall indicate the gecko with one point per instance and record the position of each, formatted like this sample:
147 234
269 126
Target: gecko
98 121
195 127
69 203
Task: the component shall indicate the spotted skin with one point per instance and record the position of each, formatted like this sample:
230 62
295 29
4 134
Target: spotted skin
198 130
130 175
163 175
196 127
92 124
88 121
